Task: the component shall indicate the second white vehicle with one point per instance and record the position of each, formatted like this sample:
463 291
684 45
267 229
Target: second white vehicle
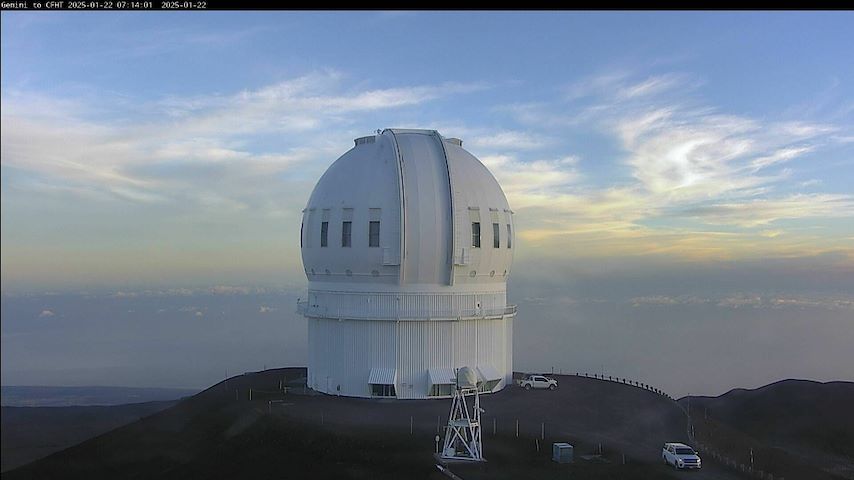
538 381
680 456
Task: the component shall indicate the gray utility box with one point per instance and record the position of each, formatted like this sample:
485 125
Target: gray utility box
562 452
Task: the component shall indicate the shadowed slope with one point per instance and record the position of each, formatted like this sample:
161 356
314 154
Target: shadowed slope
795 427
30 433
221 432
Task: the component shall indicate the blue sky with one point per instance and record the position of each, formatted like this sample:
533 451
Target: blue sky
174 149
682 183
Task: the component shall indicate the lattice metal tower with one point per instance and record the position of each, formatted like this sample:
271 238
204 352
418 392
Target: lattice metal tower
463 433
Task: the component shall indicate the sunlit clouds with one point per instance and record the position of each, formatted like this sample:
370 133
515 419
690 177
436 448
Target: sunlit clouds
693 182
157 158
205 185
702 180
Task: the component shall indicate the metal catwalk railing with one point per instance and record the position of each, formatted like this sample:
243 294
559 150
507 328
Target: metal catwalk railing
304 308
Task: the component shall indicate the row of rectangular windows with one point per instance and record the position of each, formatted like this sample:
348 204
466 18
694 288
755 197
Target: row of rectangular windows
496 238
374 234
436 390
447 389
347 234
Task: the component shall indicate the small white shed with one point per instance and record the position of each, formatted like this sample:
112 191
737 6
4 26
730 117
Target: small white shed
562 452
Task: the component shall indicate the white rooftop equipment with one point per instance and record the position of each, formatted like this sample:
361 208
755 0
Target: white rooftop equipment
407 242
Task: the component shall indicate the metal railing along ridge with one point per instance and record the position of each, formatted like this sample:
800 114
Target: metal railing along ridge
304 308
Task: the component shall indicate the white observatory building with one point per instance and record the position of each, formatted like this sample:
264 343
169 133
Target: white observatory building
407 242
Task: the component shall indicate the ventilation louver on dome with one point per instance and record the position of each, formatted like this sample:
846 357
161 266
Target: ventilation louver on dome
364 140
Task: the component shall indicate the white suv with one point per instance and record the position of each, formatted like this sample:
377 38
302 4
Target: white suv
680 456
538 381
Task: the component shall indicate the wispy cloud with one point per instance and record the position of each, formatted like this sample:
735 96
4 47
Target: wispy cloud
527 182
507 140
752 213
668 173
692 169
623 85
184 149
688 154
751 300
297 105
780 156
655 85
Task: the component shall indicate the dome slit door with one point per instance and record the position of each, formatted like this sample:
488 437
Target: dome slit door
401 249
426 202
452 224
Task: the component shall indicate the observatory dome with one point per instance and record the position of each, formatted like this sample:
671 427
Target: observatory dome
421 194
407 242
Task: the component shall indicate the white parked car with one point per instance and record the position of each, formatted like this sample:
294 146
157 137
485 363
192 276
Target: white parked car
538 381
680 456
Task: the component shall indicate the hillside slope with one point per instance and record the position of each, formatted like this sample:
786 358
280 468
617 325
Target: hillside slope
807 421
222 433
30 433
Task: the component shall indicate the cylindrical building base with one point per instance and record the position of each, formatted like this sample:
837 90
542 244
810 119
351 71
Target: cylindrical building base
407 359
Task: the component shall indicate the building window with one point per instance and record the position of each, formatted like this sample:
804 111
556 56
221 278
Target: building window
346 230
475 234
374 234
324 234
488 386
441 390
382 390
496 241
509 236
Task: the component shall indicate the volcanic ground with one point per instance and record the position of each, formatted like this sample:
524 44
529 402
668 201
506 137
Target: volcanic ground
268 425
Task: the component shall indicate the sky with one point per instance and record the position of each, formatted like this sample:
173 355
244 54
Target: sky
655 160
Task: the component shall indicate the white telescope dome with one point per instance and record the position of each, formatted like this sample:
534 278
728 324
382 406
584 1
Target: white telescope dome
407 242
423 205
